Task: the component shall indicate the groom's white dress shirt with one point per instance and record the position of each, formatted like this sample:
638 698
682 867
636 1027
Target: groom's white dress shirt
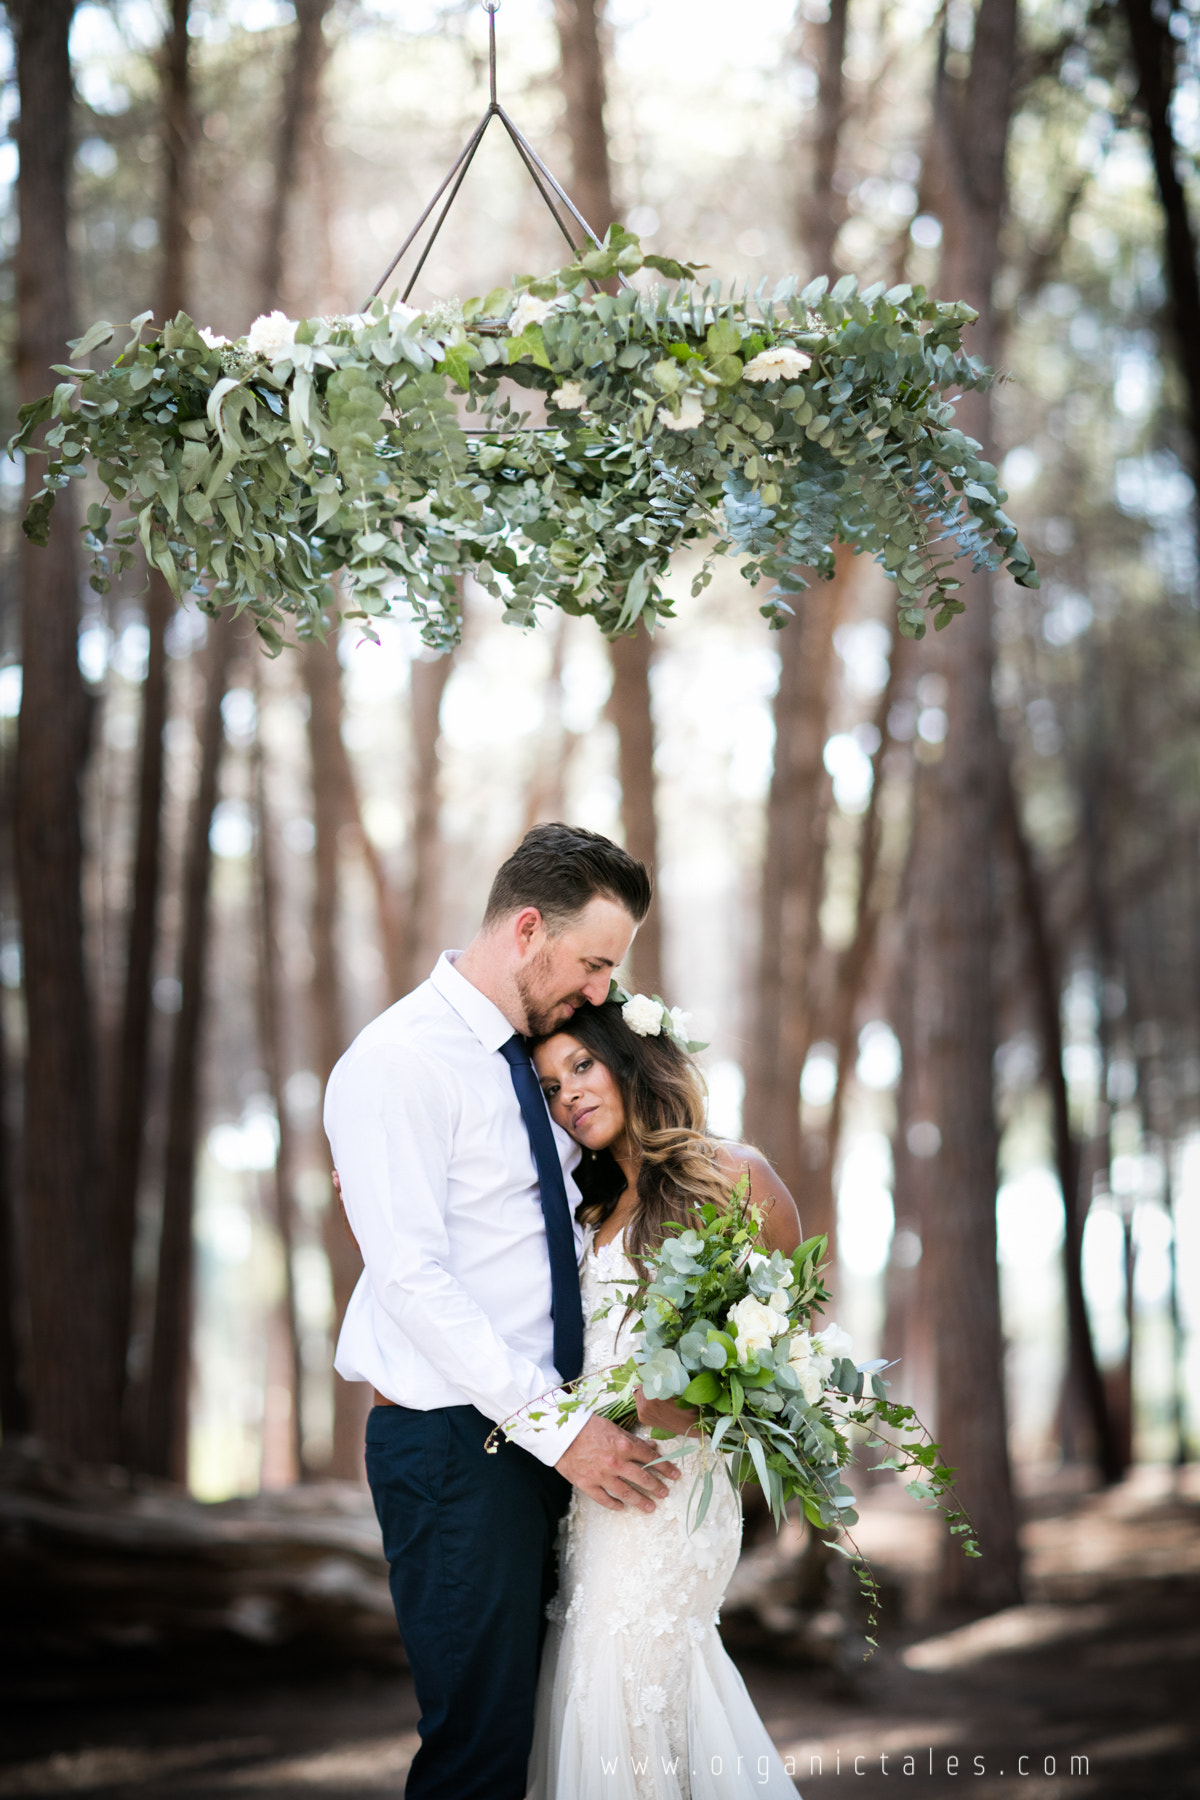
441 1191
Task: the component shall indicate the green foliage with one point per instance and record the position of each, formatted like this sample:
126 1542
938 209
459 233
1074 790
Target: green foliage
781 1411
255 479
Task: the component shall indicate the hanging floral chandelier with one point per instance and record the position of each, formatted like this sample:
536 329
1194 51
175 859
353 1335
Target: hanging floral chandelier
346 466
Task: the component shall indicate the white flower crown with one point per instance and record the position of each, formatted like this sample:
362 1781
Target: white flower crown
648 1016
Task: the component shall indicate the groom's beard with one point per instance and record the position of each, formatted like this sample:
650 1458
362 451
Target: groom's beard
542 1014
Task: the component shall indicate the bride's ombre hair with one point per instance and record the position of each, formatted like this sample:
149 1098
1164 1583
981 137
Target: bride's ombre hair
663 1097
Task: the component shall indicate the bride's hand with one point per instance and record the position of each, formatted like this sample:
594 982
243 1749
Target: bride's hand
667 1415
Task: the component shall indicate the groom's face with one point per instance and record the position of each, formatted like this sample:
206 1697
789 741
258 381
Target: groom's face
562 971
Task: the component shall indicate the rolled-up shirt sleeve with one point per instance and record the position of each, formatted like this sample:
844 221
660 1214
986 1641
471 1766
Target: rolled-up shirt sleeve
391 1120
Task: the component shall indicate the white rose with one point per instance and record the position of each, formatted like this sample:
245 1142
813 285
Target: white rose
780 364
754 1326
529 310
834 1342
691 414
643 1016
810 1369
271 336
213 339
570 396
811 1384
779 1301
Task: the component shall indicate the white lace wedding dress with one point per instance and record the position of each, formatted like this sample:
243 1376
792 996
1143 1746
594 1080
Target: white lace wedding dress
637 1698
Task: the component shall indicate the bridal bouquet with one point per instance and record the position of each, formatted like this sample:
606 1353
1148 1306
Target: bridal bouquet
734 1333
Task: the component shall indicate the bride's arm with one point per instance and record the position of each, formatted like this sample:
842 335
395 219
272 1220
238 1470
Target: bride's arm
781 1220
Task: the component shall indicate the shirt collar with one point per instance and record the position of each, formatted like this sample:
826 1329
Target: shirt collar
473 1007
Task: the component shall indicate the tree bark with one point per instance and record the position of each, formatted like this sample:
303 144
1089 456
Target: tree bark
351 1400
792 880
546 799
853 964
1095 777
1084 1380
910 1303
579 25
272 1043
129 1123
953 916
164 1445
15 1413
581 58
72 1372
629 710
297 120
798 803
427 686
14 1396
821 212
1154 53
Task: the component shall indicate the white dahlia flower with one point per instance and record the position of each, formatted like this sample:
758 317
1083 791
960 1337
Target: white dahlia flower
643 1015
570 396
779 364
691 414
272 336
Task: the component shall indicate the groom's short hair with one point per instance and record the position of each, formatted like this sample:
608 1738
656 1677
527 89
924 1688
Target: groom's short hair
559 869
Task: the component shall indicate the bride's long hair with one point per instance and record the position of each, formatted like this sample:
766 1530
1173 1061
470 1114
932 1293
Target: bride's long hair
663 1096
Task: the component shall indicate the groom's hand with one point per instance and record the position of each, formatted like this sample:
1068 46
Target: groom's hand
609 1466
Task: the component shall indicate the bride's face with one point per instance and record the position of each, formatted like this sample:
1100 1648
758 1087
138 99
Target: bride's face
581 1093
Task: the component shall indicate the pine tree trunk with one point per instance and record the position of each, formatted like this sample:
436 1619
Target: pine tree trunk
1084 1383
14 1389
792 880
546 799
298 115
629 710
1154 53
579 25
72 1366
14 1397
273 1048
165 1438
427 686
853 964
129 1124
953 902
351 1400
820 210
581 64
798 803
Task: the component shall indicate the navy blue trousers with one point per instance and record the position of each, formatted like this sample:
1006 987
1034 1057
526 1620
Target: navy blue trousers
469 1540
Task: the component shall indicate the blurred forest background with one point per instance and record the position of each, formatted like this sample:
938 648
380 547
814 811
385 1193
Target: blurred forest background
935 904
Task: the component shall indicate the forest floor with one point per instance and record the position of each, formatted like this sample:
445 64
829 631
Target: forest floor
1101 1663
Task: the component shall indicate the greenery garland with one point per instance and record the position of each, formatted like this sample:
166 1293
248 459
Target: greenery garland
257 473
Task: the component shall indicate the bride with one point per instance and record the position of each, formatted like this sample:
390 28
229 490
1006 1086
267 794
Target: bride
637 1699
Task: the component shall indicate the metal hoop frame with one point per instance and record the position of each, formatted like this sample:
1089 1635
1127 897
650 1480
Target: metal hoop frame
543 180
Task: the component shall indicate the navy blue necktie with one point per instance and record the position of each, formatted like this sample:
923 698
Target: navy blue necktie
566 1306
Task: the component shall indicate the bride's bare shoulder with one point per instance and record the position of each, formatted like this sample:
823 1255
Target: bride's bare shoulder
781 1220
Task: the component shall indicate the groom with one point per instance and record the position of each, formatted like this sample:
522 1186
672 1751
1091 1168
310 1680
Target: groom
454 1183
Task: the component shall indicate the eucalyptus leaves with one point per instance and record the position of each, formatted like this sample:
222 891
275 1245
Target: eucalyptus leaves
383 451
